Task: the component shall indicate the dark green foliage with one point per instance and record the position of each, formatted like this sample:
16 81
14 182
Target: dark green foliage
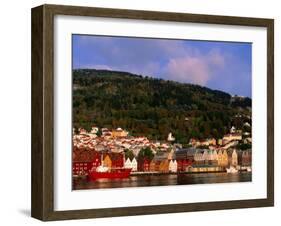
151 107
237 101
145 153
244 146
129 154
202 147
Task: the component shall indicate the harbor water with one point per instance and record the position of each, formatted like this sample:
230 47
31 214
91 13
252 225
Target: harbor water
162 180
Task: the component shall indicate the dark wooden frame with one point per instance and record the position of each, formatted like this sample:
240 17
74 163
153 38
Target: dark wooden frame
42 203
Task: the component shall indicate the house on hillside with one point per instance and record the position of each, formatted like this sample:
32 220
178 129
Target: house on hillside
119 133
231 137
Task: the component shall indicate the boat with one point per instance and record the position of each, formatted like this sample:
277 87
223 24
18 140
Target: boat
103 171
113 173
231 169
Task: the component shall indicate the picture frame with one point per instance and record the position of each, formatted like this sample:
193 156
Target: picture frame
43 83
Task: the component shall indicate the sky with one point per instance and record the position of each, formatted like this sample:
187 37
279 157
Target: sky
225 66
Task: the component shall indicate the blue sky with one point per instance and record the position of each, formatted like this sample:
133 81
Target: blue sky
225 66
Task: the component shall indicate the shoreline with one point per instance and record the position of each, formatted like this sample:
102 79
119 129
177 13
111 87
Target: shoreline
154 173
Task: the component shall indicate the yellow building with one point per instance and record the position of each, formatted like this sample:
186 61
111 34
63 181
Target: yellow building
152 166
212 141
107 161
119 133
224 158
219 157
164 166
230 137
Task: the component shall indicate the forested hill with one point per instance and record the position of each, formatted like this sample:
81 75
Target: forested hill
153 107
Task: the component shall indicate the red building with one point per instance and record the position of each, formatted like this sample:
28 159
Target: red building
183 163
143 165
117 160
184 158
83 160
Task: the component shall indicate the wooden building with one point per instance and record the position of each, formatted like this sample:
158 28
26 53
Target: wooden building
83 160
128 164
245 158
134 164
184 158
232 157
107 161
143 164
164 166
173 166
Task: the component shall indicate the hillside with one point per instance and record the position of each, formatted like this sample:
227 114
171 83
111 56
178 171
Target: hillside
153 107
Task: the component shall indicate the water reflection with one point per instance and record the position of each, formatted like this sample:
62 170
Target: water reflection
163 180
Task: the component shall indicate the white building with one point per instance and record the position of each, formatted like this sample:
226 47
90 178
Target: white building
134 164
247 124
94 130
128 164
215 155
205 156
198 156
170 137
233 129
173 166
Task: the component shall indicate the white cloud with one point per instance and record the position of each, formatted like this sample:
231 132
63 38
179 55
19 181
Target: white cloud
196 68
188 69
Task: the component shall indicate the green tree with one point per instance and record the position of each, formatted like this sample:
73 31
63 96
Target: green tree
129 154
145 153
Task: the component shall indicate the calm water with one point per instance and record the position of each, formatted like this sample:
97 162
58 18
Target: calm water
162 180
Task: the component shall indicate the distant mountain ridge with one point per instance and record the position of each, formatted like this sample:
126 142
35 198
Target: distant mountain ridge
152 107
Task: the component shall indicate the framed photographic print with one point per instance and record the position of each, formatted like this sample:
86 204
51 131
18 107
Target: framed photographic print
141 112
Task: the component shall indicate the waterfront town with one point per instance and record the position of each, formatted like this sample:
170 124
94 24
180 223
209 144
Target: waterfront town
116 149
